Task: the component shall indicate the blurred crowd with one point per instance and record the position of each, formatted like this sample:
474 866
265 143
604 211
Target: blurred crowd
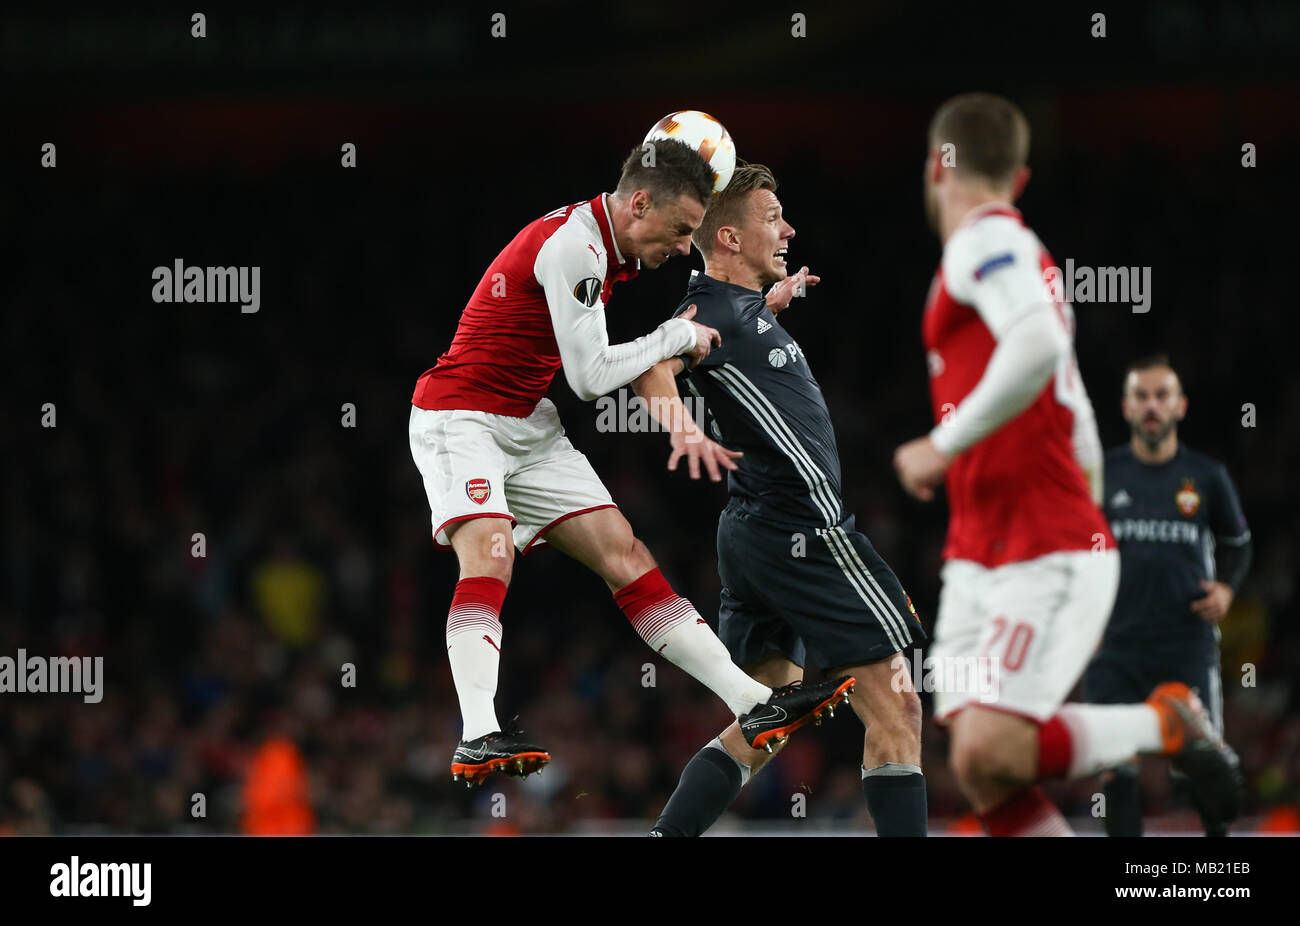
293 678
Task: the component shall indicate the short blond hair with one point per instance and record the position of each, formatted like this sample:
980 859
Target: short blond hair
728 207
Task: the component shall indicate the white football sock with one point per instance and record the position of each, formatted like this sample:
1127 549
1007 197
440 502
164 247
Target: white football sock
692 646
672 627
474 650
1104 735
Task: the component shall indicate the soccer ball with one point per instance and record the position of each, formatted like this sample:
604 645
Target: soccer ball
706 135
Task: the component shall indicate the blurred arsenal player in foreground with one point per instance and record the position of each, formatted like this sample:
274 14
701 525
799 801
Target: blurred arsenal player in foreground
1031 568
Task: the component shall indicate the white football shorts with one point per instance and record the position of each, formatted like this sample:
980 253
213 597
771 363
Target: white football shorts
476 464
1017 637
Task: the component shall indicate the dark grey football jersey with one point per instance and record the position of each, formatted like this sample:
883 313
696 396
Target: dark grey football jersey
761 399
1169 519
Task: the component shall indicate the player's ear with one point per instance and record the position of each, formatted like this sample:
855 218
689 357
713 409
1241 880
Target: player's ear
1018 182
640 204
1182 407
934 165
729 235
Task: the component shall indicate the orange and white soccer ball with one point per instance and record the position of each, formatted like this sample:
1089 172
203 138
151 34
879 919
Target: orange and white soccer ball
706 135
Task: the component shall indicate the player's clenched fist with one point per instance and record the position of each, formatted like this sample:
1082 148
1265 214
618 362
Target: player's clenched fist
921 467
706 338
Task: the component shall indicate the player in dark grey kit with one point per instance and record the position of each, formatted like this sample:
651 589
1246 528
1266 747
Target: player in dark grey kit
1171 510
799 582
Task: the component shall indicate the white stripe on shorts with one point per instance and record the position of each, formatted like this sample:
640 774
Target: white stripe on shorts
861 580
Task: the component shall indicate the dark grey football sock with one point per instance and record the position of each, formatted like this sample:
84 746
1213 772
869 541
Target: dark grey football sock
896 798
709 783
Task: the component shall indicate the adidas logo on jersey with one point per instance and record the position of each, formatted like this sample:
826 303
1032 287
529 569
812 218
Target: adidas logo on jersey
1120 499
764 325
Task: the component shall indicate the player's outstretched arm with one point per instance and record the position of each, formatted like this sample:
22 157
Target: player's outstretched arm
570 274
658 387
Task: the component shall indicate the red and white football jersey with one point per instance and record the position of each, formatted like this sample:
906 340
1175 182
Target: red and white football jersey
1020 492
540 306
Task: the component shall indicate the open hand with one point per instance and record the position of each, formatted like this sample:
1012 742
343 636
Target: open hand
779 296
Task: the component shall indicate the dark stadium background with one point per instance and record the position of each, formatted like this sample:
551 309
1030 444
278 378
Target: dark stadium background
176 419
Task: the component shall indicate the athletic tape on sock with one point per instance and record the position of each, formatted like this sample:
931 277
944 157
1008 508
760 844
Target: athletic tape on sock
891 769
745 772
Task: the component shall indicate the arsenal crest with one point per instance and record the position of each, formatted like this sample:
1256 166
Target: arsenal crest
478 490
1188 499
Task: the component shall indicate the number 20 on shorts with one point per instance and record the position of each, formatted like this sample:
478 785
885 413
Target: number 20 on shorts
1013 657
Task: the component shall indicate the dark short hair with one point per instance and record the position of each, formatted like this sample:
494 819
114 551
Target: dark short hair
676 168
990 133
728 207
1150 362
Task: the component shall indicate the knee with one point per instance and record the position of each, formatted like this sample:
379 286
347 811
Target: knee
488 569
501 569
627 560
899 721
489 554
978 759
894 733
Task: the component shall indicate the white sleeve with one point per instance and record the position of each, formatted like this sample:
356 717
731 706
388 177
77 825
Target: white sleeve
572 275
993 265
